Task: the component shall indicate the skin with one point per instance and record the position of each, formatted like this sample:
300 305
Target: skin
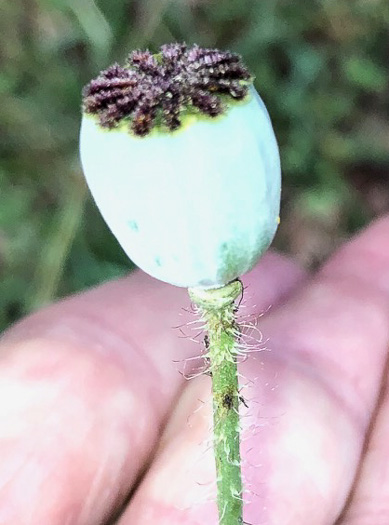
98 425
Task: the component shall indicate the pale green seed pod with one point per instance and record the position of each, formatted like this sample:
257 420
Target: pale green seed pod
196 207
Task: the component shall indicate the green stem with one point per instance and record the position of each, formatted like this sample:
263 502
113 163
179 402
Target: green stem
218 309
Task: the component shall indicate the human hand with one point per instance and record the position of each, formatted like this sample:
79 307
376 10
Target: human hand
98 424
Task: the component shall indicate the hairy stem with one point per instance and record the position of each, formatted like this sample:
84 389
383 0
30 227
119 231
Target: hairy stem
218 309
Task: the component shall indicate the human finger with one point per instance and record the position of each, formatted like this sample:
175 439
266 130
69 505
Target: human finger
86 386
311 399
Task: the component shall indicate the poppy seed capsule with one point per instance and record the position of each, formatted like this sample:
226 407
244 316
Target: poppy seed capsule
195 207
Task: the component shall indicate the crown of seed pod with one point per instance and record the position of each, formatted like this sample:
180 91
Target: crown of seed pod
158 88
181 158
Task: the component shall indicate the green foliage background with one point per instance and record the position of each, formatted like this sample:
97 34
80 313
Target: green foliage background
320 65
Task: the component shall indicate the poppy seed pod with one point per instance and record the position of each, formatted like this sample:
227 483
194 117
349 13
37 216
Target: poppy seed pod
180 156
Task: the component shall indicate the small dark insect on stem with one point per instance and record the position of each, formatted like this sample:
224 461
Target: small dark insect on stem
241 522
237 306
243 401
228 401
208 372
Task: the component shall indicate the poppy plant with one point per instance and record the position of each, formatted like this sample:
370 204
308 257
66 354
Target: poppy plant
180 156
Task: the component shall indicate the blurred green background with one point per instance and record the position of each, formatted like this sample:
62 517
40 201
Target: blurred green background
320 65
